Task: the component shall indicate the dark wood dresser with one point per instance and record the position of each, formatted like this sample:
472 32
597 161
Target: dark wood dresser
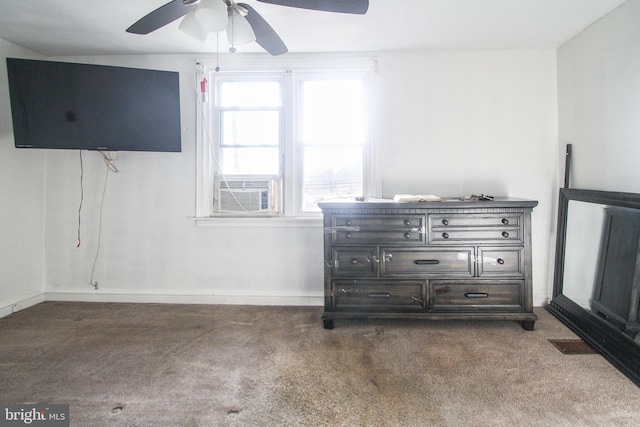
453 259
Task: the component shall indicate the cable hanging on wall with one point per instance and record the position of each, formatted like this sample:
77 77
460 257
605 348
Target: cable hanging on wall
81 199
200 85
109 159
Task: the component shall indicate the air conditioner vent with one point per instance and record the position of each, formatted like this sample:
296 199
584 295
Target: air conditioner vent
247 196
244 184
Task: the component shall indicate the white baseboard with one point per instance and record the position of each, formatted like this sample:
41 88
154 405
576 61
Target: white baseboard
177 298
10 307
541 300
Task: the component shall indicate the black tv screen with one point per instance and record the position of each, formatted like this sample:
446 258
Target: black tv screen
93 107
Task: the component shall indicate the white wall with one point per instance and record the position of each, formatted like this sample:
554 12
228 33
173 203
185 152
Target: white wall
599 101
22 207
467 122
451 123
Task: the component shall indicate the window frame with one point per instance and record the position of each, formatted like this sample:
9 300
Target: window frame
291 158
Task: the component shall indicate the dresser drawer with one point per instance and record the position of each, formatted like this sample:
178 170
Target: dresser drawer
354 261
449 261
476 296
476 220
389 295
500 261
377 229
480 228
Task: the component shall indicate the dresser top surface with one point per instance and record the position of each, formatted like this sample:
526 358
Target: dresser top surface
498 202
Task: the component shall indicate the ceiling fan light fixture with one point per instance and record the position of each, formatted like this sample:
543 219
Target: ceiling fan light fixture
190 27
212 15
239 30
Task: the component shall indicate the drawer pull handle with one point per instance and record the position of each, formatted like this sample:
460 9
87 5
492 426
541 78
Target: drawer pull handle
426 262
416 299
476 295
505 221
344 291
500 261
379 295
445 235
505 234
445 222
348 235
407 234
407 222
348 222
354 261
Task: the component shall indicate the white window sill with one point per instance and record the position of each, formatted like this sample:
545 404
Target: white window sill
264 222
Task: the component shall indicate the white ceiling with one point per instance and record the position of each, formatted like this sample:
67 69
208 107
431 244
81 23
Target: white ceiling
97 27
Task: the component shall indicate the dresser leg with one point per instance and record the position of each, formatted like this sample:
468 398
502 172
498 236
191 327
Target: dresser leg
527 325
327 323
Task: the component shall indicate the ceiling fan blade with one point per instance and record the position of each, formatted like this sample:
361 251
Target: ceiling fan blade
265 35
359 7
160 17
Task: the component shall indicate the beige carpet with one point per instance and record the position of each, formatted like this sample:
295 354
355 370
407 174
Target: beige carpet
199 365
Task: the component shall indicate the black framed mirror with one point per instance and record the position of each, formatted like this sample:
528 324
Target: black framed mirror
596 289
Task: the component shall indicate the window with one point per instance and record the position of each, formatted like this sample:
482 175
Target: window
275 142
332 137
249 114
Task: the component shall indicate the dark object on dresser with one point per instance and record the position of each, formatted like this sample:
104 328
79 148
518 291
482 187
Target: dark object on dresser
429 260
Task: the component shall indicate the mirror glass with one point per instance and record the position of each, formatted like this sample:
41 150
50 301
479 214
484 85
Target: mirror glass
585 222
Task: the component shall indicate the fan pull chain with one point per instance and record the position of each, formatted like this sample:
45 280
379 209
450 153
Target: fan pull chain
217 51
232 48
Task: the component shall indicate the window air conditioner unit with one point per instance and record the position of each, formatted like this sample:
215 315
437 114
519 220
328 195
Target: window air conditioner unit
246 195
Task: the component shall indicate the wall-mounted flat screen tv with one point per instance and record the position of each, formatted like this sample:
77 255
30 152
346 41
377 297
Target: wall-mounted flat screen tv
93 107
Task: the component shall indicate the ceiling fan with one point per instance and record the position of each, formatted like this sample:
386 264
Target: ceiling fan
242 23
